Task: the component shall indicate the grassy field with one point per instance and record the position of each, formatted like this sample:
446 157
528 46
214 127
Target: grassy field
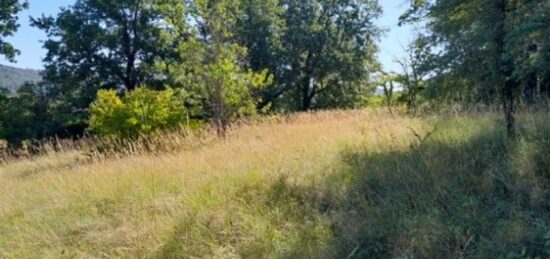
350 184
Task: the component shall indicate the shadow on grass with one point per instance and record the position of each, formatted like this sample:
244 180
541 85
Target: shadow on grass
448 197
444 200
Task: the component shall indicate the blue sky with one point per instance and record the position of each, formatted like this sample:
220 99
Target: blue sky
28 39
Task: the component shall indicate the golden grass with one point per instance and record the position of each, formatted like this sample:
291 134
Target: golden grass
217 200
55 203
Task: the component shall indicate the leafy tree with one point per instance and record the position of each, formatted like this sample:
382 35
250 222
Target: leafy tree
329 45
103 44
210 66
260 26
8 25
529 46
227 88
108 43
476 40
142 111
319 51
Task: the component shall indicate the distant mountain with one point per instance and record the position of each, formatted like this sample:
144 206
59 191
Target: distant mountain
12 78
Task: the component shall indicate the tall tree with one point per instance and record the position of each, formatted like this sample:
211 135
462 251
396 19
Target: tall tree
259 28
211 66
103 44
320 51
474 40
107 43
8 25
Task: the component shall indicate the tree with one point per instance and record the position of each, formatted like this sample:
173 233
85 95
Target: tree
413 72
210 66
107 43
8 25
103 44
529 45
227 88
319 51
474 40
259 27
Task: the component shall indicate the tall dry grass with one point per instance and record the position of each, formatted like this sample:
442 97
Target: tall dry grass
99 148
326 184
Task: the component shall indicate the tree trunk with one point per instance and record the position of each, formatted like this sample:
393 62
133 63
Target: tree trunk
389 96
129 49
130 81
503 71
509 109
411 100
545 85
306 96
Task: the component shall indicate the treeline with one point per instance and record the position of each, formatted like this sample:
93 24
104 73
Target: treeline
138 66
221 60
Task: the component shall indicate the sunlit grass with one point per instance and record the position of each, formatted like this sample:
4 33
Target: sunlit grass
327 184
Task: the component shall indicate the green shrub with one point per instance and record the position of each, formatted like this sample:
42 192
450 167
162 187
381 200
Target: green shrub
141 111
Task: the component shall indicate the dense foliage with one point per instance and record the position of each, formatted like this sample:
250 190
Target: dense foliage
321 52
210 66
230 58
8 25
141 111
233 59
487 49
97 44
23 115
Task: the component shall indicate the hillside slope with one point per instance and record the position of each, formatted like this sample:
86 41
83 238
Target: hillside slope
324 185
12 78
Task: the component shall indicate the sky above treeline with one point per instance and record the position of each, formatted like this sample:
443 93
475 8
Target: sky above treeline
29 40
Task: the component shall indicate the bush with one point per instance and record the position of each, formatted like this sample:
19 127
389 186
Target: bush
141 111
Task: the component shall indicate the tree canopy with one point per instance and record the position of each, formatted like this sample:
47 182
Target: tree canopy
8 25
230 59
276 54
495 48
321 52
100 44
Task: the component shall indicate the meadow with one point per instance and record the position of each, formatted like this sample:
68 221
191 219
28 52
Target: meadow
338 184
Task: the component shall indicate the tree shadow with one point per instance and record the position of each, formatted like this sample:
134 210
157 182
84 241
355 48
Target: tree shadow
442 197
